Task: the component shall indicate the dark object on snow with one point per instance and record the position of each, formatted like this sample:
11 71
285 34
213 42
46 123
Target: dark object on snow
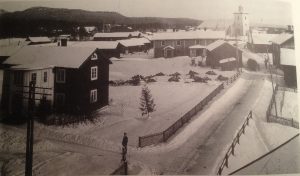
175 74
136 80
192 73
125 141
252 65
199 79
210 73
222 78
160 74
207 78
150 80
147 104
174 79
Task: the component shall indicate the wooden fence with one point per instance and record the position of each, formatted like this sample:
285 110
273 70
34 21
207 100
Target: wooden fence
166 134
235 141
281 120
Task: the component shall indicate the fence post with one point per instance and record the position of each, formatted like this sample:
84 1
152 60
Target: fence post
247 121
164 136
226 160
243 129
220 171
232 148
251 114
125 168
140 142
238 138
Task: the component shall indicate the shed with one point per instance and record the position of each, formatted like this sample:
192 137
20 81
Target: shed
260 43
284 40
228 64
221 50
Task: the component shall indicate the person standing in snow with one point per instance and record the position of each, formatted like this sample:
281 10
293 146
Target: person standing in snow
125 141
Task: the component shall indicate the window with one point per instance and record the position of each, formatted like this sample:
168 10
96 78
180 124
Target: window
33 77
163 43
178 43
94 56
93 96
94 73
45 77
18 78
60 99
61 75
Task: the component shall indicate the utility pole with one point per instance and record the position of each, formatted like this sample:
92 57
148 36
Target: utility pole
30 123
270 70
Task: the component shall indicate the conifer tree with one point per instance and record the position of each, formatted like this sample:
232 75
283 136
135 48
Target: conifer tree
147 103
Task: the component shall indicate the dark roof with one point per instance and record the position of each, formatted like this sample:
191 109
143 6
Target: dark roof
30 57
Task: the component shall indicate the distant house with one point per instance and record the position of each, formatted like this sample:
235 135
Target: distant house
219 50
74 79
260 43
108 48
134 45
114 36
38 40
288 65
284 40
181 41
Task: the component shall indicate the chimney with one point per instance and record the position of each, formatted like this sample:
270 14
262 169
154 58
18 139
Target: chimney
64 42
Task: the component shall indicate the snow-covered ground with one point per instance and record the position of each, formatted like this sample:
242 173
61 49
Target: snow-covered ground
287 105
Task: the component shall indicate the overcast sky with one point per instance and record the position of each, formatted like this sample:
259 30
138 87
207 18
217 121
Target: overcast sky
263 11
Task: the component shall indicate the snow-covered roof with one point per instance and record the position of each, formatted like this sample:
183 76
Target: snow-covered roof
132 42
263 39
117 34
95 44
9 50
189 35
287 57
215 45
12 41
30 57
281 38
169 47
196 47
227 60
38 39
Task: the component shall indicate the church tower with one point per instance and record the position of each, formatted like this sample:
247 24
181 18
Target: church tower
241 23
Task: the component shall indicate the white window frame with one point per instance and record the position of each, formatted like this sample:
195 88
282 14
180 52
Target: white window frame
94 56
163 43
45 76
58 77
179 42
94 75
94 96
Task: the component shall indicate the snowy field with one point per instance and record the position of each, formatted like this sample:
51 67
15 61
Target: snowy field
172 99
287 105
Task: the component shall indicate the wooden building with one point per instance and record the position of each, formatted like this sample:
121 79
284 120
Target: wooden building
260 43
181 41
288 66
73 79
134 45
114 36
284 40
221 50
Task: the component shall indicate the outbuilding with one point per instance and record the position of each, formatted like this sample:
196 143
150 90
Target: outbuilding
222 50
228 64
284 40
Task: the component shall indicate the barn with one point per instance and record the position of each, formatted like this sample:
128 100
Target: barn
288 66
284 40
221 50
181 41
71 79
